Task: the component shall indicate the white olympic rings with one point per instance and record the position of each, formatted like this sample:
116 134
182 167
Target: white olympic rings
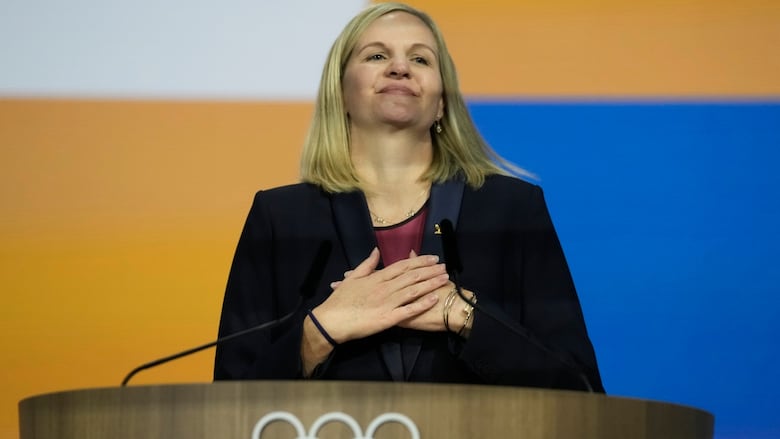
300 431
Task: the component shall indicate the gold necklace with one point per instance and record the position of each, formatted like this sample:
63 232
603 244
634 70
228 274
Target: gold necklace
382 221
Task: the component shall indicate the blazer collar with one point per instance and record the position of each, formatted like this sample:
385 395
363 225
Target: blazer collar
353 224
444 204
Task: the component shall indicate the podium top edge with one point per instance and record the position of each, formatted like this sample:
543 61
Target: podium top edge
358 386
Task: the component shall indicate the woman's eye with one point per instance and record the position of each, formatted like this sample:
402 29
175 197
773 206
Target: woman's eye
376 57
420 60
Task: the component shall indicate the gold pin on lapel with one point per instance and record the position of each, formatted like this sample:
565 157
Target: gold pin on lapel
436 229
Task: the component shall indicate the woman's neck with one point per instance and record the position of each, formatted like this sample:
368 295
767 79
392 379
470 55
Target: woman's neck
391 169
390 162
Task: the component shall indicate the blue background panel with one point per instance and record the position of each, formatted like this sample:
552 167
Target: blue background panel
669 216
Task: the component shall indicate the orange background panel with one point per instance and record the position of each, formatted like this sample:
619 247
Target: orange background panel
118 225
646 48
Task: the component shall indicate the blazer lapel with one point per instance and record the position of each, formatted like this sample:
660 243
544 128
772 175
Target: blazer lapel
444 203
353 224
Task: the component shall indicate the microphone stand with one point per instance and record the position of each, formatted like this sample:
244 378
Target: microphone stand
226 338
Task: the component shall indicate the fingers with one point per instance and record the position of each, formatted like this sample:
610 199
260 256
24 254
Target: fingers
414 309
366 267
403 266
413 291
418 281
431 319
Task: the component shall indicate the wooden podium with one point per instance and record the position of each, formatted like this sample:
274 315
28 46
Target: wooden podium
231 410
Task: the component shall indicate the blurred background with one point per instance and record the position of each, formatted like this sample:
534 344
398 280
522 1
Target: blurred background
133 136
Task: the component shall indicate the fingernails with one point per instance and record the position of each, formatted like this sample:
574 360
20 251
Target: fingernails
433 258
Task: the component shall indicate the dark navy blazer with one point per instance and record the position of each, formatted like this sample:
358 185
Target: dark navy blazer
511 259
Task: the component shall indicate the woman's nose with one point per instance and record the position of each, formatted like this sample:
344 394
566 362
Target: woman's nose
398 67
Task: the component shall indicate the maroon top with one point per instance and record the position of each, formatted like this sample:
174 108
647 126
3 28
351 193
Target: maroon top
396 241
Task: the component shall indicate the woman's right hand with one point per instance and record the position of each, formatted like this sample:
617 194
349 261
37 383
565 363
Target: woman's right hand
369 301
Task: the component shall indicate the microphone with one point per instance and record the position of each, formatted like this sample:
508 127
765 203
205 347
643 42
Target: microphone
308 287
450 248
455 266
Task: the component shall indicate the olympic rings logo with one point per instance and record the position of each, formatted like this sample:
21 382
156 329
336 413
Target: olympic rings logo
334 417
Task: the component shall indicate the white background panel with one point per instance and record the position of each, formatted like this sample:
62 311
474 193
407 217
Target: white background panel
239 49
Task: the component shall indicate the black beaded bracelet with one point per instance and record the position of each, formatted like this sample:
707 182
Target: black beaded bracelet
321 329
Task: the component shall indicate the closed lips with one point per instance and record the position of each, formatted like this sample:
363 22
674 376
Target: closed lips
396 89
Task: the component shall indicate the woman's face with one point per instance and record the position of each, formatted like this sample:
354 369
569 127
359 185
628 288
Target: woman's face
392 77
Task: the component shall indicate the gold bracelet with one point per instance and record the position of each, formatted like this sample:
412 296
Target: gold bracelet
446 310
469 310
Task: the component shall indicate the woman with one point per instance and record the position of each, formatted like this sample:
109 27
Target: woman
390 153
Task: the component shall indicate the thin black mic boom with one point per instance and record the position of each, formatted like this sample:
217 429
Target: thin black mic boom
307 290
455 267
220 340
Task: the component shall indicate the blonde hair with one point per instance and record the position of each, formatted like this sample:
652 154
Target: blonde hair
458 149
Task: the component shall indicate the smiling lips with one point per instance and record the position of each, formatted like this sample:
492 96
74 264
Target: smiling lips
397 90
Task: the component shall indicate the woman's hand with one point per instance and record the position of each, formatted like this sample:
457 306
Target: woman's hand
409 293
369 301
432 319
